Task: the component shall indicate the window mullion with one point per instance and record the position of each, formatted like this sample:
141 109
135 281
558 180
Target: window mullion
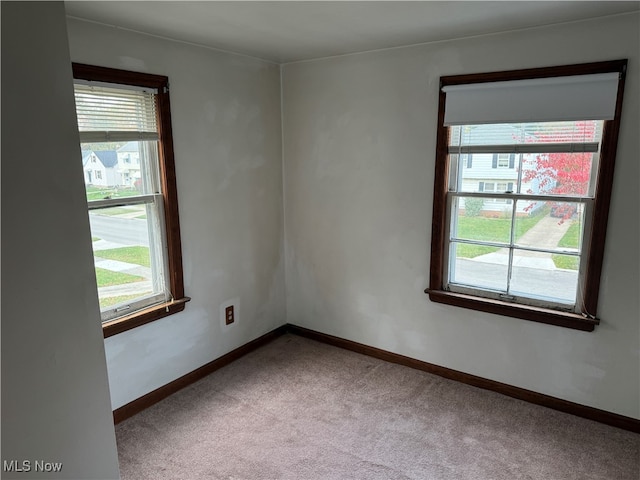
121 201
450 234
575 147
117 136
524 196
511 245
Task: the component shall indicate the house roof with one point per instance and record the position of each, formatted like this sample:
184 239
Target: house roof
85 156
502 134
108 158
129 147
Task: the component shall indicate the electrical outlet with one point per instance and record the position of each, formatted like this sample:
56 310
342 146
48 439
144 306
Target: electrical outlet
229 317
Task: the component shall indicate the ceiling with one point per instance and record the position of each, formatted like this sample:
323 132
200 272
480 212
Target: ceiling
289 31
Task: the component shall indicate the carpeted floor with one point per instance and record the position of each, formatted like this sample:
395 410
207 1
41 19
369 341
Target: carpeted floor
298 409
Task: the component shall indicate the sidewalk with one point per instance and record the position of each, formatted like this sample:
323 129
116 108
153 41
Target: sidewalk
132 288
545 234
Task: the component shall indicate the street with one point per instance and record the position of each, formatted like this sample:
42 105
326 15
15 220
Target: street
559 285
126 231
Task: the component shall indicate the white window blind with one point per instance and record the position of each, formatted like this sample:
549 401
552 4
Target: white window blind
108 114
570 98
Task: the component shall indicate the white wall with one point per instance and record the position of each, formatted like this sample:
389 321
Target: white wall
55 395
359 147
358 165
227 137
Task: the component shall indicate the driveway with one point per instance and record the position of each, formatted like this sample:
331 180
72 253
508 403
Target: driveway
545 234
533 273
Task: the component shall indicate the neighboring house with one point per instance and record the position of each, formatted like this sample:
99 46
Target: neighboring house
486 172
128 163
100 168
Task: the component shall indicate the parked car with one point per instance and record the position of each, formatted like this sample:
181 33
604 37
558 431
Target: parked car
563 209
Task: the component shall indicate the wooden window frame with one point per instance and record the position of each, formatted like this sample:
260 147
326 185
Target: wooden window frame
166 162
587 320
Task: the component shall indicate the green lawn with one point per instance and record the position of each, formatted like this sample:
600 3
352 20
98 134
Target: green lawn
98 193
111 301
113 211
138 255
572 237
490 230
565 261
465 250
108 278
569 240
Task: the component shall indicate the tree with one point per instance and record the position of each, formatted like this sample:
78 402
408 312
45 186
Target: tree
473 206
562 173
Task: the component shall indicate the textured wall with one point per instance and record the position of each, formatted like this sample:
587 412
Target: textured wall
227 138
359 148
55 395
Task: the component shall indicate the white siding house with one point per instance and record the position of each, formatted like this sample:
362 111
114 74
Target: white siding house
496 172
128 164
99 168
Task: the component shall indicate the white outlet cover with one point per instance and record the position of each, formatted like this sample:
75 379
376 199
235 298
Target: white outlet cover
223 314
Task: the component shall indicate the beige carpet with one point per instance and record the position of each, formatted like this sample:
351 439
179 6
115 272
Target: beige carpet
298 409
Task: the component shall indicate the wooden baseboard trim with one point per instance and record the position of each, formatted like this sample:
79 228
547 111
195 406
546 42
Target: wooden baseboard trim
170 388
602 416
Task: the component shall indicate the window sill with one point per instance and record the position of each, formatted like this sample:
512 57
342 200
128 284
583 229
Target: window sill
525 312
142 317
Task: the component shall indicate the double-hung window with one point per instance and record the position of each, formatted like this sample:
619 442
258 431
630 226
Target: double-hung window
127 159
520 231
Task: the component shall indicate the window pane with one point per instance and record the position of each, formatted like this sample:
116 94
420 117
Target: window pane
557 173
478 266
125 242
552 226
489 172
544 276
120 169
551 172
109 109
526 133
484 219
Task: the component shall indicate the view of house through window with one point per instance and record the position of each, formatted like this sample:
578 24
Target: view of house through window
517 218
119 136
524 169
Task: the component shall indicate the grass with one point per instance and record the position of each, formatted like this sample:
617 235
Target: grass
572 237
491 230
108 278
565 261
98 193
113 211
137 255
111 301
569 240
95 239
466 250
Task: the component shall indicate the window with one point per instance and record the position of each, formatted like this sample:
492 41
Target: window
98 174
134 228
522 233
502 160
490 187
